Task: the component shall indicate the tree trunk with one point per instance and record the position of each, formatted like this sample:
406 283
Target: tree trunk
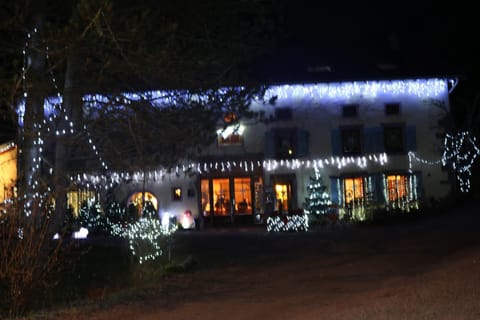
72 112
33 116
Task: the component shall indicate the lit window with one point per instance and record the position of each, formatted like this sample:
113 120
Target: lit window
177 193
396 187
80 198
243 195
354 191
221 196
282 193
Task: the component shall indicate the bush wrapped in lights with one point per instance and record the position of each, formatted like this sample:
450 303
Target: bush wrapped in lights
292 222
145 237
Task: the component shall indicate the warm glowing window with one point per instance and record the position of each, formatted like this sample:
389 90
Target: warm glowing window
243 195
137 199
396 187
353 188
221 196
177 193
282 193
8 171
80 198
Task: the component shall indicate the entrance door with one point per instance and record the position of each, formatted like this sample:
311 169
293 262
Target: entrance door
283 195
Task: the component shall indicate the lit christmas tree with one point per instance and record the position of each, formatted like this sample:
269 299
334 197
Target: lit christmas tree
318 201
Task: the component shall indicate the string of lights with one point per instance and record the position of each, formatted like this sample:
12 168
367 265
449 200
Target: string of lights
460 152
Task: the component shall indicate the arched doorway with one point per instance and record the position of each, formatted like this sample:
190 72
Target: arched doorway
138 200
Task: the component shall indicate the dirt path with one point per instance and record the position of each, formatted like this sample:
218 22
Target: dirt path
424 270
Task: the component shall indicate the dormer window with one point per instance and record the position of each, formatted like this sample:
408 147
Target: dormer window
230 135
350 111
283 113
392 109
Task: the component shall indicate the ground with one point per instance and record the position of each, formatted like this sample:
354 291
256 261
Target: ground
427 268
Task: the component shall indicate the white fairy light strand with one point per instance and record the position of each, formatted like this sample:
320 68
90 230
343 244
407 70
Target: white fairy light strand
460 152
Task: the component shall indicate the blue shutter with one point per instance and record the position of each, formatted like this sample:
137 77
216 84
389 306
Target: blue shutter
418 175
302 143
373 139
411 138
379 192
334 191
335 136
269 144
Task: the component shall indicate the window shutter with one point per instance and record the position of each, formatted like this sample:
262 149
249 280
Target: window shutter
335 136
373 139
411 138
269 144
379 185
419 190
302 143
334 190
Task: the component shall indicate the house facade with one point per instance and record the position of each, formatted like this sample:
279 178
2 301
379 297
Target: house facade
376 145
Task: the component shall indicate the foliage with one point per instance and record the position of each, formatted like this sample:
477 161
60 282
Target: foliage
30 259
147 238
91 218
115 213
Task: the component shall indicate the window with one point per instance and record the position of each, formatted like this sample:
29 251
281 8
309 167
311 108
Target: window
284 144
351 141
393 139
233 139
77 199
392 109
242 195
221 196
176 193
350 111
282 194
353 191
137 201
231 195
283 114
396 187
230 135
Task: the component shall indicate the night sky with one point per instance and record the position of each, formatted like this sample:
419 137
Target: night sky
355 37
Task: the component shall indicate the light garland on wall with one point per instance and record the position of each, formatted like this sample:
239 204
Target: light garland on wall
250 166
